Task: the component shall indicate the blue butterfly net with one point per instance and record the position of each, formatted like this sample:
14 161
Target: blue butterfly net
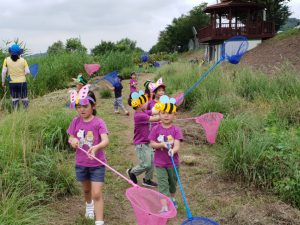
199 221
145 57
34 69
113 79
234 48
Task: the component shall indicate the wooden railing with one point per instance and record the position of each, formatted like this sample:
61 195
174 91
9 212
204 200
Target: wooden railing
225 30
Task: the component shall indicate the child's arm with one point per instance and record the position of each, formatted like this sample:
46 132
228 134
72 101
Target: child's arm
156 145
103 144
109 87
154 118
175 148
74 142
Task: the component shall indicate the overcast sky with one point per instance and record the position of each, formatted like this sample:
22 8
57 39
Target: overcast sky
40 23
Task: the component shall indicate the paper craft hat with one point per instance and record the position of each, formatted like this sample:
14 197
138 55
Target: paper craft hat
146 84
154 86
15 50
80 79
81 97
138 98
166 104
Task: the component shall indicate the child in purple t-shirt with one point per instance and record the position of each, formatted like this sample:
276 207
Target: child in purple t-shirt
158 89
89 132
141 132
133 83
161 135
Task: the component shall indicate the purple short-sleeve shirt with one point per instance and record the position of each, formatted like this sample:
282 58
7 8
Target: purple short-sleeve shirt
161 134
88 134
141 128
131 83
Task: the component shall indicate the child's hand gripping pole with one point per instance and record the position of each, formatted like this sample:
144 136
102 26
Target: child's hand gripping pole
188 211
104 164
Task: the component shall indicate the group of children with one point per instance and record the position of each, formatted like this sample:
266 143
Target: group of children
155 139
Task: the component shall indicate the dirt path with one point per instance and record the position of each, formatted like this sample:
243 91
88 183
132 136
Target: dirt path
209 192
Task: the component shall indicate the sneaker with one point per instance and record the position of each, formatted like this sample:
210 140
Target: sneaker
89 210
131 176
117 112
174 203
149 183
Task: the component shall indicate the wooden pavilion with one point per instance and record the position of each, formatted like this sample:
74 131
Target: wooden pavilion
231 18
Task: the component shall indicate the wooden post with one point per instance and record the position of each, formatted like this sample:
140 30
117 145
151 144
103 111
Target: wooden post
230 19
248 22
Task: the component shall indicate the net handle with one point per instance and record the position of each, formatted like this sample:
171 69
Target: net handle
109 167
187 208
201 78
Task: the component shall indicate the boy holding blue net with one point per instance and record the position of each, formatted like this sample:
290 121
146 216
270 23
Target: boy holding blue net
163 134
117 89
142 117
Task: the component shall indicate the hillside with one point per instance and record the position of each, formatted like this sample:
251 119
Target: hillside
269 57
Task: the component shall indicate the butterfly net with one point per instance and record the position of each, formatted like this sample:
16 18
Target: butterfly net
234 48
199 221
91 68
210 123
147 205
34 68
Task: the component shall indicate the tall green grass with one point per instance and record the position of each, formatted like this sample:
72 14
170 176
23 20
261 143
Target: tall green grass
260 133
34 164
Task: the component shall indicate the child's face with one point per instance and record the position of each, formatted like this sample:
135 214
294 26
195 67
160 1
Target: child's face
85 111
144 106
133 76
166 118
160 92
79 86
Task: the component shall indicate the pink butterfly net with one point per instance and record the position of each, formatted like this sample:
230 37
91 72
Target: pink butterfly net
179 97
147 204
91 68
210 122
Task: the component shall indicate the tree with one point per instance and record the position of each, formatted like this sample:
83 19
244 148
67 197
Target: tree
56 48
277 11
126 44
103 47
290 23
177 35
74 44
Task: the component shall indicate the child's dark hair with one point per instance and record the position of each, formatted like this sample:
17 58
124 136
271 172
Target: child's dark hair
14 57
121 77
129 102
92 95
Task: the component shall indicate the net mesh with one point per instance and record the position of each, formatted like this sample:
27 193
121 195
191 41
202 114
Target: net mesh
210 123
179 98
144 57
199 221
113 78
147 205
234 48
91 68
34 68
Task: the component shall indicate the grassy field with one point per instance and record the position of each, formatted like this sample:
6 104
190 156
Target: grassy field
234 181
260 134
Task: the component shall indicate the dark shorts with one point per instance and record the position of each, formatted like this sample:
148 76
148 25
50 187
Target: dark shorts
95 174
18 90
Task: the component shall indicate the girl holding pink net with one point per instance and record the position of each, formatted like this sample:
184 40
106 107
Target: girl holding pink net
163 134
89 132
